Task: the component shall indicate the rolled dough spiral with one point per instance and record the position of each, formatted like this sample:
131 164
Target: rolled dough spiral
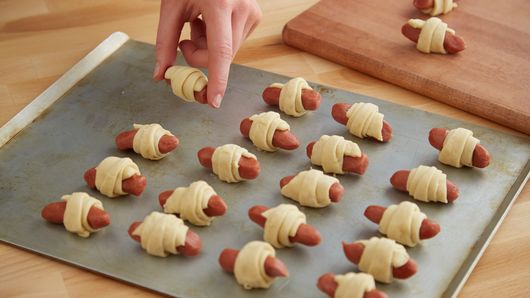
146 140
458 148
225 162
432 35
111 172
310 188
282 222
427 184
185 81
364 120
161 233
190 202
291 96
75 218
249 268
402 223
329 151
263 127
440 7
353 285
380 255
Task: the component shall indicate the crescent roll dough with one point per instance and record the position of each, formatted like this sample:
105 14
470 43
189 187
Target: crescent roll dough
263 127
185 81
75 218
146 140
111 172
364 120
427 184
329 152
190 202
291 96
380 255
249 268
440 7
282 222
458 148
402 223
432 35
310 188
161 233
225 162
353 285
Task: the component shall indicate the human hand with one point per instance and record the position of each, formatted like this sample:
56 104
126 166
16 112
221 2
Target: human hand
215 38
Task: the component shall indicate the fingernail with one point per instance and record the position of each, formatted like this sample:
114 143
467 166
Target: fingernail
216 102
157 68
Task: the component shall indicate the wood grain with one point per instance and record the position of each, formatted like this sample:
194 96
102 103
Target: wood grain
40 40
489 78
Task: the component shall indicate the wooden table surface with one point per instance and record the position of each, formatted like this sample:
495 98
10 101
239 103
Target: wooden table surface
41 39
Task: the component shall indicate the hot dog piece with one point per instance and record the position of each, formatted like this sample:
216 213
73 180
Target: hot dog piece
54 212
336 191
350 164
167 143
249 168
481 156
339 113
306 234
273 266
327 284
310 98
191 247
283 139
400 178
134 185
216 204
452 43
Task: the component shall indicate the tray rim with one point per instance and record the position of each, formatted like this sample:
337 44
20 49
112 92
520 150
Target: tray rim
114 42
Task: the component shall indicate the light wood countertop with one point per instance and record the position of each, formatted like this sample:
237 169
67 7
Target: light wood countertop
41 39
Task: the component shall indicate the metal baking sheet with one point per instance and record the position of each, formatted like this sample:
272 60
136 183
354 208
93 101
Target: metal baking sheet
48 158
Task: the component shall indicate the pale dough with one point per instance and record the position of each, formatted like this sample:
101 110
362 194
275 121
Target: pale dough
263 127
161 233
111 172
75 218
364 120
458 148
282 222
249 268
353 285
440 7
185 81
402 223
432 35
380 255
146 140
427 184
329 151
225 162
310 188
190 201
291 96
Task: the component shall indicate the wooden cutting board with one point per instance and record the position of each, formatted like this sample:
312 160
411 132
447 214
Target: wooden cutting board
490 78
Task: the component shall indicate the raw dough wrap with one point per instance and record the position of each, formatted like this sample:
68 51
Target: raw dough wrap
432 35
161 234
291 96
329 152
146 140
282 222
427 184
185 81
310 188
458 148
263 127
75 218
380 255
402 223
111 172
440 7
225 162
190 202
364 120
249 268
353 285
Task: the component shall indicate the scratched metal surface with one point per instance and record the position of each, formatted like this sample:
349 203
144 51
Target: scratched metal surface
48 159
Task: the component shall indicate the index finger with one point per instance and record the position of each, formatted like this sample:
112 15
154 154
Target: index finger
167 37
